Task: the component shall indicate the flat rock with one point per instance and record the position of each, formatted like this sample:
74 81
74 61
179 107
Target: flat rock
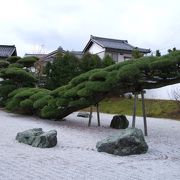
126 142
37 138
83 114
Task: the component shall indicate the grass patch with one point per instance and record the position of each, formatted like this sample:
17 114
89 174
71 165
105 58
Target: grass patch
154 108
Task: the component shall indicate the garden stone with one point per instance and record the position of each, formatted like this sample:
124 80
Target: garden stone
119 122
37 138
83 114
126 142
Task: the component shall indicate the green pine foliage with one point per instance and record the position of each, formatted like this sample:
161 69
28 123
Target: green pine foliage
51 110
28 61
41 102
91 87
5 89
19 76
17 65
26 104
13 59
28 100
4 63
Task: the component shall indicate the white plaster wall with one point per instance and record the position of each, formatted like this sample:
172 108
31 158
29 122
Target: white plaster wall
120 58
101 54
95 49
163 93
128 55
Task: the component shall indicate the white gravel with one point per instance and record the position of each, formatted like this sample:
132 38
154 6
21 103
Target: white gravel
75 156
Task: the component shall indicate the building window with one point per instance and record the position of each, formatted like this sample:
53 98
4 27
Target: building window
126 58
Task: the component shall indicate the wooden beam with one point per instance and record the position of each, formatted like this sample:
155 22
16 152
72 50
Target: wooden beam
144 113
90 116
134 109
98 117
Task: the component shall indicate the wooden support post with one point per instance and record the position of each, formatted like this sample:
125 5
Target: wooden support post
90 116
144 113
134 109
98 117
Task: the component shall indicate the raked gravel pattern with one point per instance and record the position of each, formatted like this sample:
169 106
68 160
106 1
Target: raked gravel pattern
76 157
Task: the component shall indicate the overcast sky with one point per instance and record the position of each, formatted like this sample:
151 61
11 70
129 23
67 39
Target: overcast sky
43 25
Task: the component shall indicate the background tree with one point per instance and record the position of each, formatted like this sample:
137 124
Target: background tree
171 50
158 54
107 61
90 61
174 49
62 70
13 76
67 66
136 53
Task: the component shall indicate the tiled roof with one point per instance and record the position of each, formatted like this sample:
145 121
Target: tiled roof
7 51
51 55
113 44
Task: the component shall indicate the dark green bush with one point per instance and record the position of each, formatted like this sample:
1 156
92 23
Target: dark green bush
19 100
13 59
16 91
28 61
19 76
4 63
4 91
26 93
26 106
107 61
39 94
13 105
17 65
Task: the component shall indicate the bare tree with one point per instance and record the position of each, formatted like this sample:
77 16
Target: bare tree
176 96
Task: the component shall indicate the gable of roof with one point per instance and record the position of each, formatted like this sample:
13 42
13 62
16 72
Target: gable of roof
52 55
116 44
7 51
